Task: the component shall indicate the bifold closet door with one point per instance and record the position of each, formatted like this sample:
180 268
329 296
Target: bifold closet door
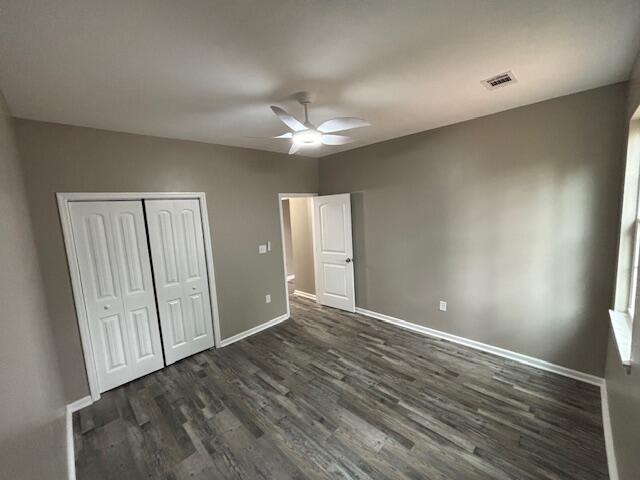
180 272
113 259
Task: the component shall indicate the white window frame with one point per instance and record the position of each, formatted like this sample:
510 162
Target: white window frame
633 277
628 272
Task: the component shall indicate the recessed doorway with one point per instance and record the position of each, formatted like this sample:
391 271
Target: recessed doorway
297 241
318 248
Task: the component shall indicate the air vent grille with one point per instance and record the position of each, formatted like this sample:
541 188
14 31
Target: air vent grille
499 81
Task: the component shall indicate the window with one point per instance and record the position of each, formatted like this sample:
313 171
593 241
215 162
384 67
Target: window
624 311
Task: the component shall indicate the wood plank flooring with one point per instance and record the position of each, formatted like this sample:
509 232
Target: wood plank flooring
329 394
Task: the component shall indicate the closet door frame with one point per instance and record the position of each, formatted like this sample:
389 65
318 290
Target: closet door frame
64 199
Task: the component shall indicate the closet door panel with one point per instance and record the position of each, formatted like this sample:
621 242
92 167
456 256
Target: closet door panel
196 283
138 294
177 252
115 271
165 255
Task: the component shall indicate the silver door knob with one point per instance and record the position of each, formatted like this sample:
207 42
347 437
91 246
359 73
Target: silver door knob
107 307
348 260
193 288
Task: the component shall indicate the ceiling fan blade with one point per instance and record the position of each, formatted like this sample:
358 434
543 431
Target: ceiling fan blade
294 148
335 139
342 123
287 119
285 135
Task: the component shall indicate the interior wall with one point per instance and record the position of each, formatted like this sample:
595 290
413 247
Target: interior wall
242 197
624 388
286 227
302 241
32 425
510 218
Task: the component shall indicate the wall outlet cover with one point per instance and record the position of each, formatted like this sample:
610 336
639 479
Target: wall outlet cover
267 298
262 249
443 306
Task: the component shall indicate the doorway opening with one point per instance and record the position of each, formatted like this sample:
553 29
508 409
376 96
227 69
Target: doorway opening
317 248
296 212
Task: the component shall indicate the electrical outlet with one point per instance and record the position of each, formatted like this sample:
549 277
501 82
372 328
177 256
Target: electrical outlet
267 298
443 306
262 249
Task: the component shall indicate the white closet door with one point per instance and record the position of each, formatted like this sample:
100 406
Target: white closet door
115 271
180 271
333 256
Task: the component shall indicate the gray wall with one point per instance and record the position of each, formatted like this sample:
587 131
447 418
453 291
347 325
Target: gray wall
302 241
624 389
32 435
242 197
511 218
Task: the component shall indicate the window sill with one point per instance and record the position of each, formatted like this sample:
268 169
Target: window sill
621 323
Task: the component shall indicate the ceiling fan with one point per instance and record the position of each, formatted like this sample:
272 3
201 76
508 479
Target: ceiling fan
306 134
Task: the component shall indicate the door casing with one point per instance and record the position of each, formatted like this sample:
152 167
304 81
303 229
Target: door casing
64 199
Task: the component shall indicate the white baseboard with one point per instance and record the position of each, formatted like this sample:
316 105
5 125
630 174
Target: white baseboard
70 410
501 352
608 433
254 330
302 294
79 404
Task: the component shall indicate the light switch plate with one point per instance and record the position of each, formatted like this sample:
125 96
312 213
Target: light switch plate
267 298
443 306
262 249
269 246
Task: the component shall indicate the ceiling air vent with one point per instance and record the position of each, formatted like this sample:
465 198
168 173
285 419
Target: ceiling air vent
501 80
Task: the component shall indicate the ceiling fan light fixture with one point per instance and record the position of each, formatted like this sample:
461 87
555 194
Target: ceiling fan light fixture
307 138
306 134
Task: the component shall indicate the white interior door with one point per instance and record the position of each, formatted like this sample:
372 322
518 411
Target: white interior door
180 271
115 271
333 251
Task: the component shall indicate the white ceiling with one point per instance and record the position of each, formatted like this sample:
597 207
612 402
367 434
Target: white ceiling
208 70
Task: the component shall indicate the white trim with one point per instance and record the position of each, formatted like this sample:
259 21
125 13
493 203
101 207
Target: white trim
622 327
71 457
208 249
302 294
64 199
78 297
608 433
71 408
80 404
501 352
254 330
283 196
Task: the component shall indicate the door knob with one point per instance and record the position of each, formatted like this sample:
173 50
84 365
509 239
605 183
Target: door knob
107 307
348 260
193 288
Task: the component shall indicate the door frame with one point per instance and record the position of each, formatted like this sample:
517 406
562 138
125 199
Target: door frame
282 196
64 199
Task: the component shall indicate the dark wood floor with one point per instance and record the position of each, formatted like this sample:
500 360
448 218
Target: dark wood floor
328 394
